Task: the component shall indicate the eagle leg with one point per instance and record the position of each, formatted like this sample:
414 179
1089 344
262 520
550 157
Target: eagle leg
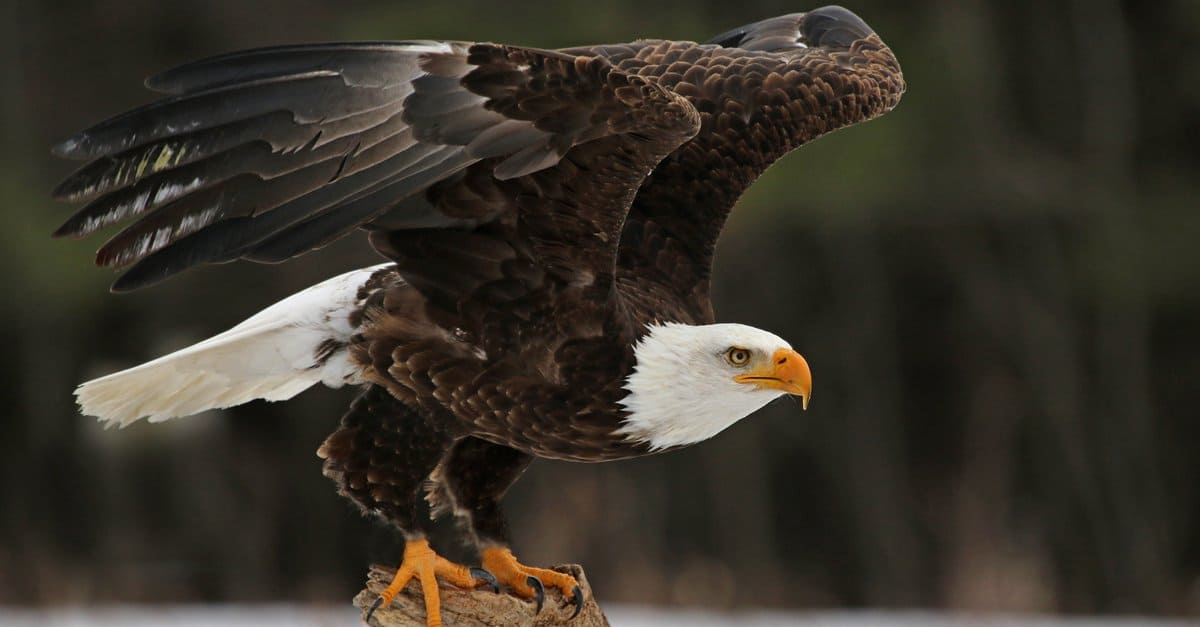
471 481
527 581
380 456
421 563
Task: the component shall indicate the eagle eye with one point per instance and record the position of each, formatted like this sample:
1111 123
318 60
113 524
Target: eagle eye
737 356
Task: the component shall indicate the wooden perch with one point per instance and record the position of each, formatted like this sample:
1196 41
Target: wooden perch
479 607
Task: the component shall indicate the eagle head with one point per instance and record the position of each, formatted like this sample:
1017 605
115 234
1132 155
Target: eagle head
690 382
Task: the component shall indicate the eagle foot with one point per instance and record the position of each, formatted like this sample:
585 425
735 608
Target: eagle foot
422 563
529 582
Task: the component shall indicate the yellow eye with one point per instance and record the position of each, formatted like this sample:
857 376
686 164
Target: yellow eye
737 356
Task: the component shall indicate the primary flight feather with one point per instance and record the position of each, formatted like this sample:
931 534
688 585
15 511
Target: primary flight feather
549 219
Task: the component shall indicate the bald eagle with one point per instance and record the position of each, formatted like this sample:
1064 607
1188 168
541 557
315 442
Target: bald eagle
548 217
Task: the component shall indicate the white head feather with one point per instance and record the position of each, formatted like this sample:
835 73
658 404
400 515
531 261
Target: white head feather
683 388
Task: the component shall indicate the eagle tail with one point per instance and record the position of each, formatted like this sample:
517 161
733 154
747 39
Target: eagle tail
274 355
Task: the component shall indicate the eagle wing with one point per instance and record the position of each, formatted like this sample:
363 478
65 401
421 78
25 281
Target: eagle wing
269 153
762 90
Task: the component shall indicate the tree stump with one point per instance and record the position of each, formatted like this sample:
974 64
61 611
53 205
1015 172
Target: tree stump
477 608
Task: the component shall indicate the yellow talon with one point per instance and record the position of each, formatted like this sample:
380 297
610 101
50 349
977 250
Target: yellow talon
421 562
507 570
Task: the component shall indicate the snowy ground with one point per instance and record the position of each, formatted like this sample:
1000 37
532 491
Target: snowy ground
620 616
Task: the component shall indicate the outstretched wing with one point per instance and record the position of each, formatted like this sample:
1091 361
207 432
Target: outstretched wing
270 153
763 90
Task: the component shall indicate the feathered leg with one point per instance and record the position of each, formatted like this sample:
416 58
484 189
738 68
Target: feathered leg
471 481
380 457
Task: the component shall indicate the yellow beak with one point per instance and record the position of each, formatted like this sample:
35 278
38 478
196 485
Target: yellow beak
787 372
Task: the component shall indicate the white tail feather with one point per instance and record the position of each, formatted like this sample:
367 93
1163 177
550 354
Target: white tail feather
274 355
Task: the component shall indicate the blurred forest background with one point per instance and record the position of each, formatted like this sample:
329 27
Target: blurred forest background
997 286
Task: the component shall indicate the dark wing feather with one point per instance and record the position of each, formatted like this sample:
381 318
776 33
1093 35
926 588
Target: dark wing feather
826 27
330 224
240 144
197 195
269 153
230 239
359 62
311 96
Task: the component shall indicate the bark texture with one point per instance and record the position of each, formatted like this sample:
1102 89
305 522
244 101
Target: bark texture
477 608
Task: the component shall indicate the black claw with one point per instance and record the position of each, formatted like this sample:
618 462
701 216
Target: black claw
374 606
539 591
577 601
486 577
